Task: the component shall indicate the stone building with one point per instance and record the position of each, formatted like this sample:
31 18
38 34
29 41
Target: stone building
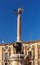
31 49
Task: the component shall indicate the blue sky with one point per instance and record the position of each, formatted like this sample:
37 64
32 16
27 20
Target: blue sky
30 23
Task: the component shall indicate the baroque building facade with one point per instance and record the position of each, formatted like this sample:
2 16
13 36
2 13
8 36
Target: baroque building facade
30 49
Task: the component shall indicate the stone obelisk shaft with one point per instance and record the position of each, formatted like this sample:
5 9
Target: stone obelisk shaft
19 26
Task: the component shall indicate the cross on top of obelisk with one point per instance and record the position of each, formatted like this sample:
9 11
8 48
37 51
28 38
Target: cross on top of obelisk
20 10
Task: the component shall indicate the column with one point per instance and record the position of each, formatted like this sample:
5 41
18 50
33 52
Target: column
36 54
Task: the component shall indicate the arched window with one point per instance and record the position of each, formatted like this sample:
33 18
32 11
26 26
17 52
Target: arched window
6 46
30 54
6 56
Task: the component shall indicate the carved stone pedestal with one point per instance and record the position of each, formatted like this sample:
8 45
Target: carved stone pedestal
17 59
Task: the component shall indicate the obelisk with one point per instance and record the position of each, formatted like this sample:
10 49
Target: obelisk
19 25
18 57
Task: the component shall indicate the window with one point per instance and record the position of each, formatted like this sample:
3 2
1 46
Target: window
6 46
30 54
6 56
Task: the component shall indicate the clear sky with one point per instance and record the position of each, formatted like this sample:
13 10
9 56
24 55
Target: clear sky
30 24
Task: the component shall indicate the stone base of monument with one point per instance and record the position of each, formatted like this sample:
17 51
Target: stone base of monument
17 59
